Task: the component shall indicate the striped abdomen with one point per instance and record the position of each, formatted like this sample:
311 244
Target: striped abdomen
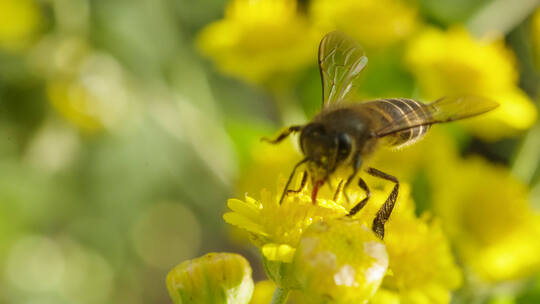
384 112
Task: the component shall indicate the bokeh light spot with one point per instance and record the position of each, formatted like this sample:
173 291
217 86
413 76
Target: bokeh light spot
35 263
165 234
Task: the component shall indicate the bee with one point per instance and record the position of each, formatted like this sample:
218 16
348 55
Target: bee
346 132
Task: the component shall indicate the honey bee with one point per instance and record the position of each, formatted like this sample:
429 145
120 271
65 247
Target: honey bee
345 132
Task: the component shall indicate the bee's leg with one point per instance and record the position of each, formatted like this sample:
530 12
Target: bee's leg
361 183
363 202
338 189
303 184
290 179
357 163
282 135
384 213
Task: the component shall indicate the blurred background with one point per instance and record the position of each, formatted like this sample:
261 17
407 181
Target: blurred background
126 124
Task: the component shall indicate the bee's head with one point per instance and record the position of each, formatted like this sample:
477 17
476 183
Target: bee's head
324 151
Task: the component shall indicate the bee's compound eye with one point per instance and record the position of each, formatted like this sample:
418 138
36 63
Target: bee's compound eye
310 135
344 145
315 129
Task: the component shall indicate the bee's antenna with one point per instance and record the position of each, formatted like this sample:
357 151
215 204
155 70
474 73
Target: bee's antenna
283 135
290 178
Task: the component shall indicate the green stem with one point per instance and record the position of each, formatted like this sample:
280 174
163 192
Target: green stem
280 296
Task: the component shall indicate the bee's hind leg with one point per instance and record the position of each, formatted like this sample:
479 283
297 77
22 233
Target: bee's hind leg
384 212
283 135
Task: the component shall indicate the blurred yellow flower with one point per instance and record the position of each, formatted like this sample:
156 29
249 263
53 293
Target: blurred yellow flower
453 62
374 23
535 32
482 208
74 102
428 155
19 23
258 39
86 87
485 212
410 243
421 264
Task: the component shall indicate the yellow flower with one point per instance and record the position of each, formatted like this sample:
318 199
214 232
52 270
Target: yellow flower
19 22
486 213
213 278
263 157
385 296
258 39
410 241
340 261
421 262
374 23
453 62
275 228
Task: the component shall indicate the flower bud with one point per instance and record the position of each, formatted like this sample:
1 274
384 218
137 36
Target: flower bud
340 261
213 278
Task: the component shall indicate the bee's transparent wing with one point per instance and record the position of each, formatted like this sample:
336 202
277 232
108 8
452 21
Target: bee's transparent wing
443 110
341 59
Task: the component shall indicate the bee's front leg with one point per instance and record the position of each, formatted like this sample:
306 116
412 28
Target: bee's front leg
285 191
303 184
384 212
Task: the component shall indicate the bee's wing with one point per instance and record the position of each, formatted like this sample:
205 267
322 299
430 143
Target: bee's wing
443 110
341 59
